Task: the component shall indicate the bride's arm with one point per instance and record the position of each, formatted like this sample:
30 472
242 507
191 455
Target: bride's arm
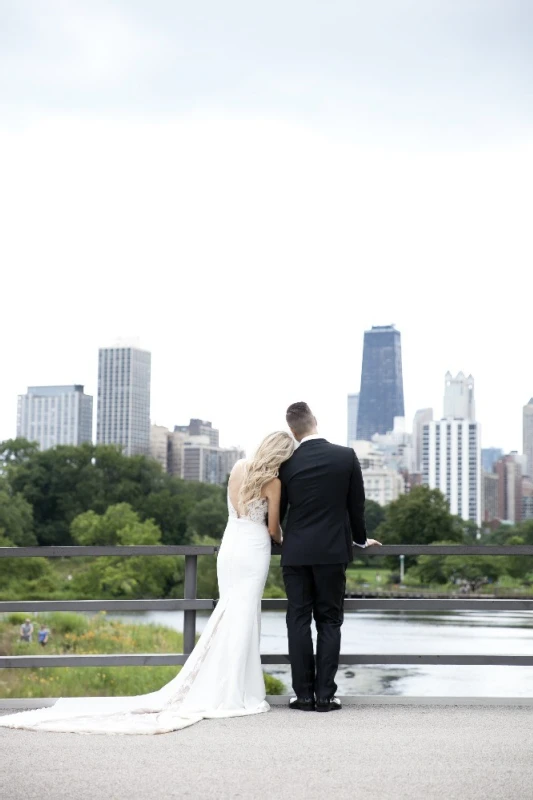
272 492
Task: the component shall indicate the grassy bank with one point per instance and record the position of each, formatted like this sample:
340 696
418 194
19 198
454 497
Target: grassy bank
358 577
77 634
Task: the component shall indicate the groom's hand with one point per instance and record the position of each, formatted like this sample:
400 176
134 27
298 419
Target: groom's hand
370 542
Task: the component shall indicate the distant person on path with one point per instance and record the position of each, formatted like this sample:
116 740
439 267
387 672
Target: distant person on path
43 635
26 630
322 487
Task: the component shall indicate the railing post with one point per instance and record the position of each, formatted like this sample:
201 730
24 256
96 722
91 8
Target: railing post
189 617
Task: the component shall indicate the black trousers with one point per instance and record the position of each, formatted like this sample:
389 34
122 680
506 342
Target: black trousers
315 591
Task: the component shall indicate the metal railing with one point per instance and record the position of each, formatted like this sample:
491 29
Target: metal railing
191 604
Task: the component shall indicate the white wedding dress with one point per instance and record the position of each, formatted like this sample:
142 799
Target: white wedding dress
222 676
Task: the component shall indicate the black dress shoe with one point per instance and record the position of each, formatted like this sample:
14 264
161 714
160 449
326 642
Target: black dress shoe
333 704
302 703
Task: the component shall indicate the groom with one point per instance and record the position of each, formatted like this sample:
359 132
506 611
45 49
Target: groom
322 485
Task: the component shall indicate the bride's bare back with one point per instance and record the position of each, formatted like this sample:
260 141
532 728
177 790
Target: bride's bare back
271 493
234 485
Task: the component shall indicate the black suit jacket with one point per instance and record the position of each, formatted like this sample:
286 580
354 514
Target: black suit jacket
322 486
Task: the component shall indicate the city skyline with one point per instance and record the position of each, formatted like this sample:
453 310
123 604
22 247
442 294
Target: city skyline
249 438
283 179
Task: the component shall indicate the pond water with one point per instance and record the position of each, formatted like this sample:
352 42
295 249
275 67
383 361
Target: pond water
388 632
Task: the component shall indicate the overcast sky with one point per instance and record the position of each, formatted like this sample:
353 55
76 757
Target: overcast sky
247 187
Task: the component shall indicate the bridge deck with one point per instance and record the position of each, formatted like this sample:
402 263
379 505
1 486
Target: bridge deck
371 752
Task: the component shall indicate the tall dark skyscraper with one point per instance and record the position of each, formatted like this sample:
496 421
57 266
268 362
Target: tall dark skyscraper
381 395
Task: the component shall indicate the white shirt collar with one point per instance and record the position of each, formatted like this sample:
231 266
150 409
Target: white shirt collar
308 438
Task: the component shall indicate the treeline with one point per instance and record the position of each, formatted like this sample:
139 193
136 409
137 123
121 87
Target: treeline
95 495
43 492
423 517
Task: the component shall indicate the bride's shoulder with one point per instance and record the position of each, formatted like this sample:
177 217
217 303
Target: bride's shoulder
272 488
238 468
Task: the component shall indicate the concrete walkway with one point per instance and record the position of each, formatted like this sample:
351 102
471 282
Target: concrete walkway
363 752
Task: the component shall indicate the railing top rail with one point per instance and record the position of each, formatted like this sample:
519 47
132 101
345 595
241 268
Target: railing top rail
439 550
205 550
123 550
447 550
453 603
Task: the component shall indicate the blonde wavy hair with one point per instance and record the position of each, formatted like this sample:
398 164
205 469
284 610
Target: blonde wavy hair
272 452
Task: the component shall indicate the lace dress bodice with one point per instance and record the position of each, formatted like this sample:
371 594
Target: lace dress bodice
257 511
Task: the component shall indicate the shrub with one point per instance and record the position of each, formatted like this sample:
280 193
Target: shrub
61 622
16 618
273 685
274 592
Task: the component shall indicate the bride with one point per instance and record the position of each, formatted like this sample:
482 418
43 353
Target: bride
223 675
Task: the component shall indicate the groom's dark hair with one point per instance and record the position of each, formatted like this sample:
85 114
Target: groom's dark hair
300 418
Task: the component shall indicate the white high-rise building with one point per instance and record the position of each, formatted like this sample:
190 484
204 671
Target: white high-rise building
451 450
396 446
422 417
383 484
52 415
459 397
353 408
451 462
159 445
528 437
124 398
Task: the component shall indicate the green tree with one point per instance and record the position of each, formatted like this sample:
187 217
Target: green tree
59 483
16 518
472 570
136 576
119 525
428 569
374 516
524 530
16 451
420 517
172 505
170 509
208 518
24 578
517 566
63 482
470 531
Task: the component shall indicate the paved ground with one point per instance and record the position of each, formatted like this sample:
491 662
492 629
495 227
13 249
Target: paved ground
377 752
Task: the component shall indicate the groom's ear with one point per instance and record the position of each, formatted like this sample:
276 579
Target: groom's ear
316 423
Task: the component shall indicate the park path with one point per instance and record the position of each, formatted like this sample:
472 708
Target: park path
364 752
